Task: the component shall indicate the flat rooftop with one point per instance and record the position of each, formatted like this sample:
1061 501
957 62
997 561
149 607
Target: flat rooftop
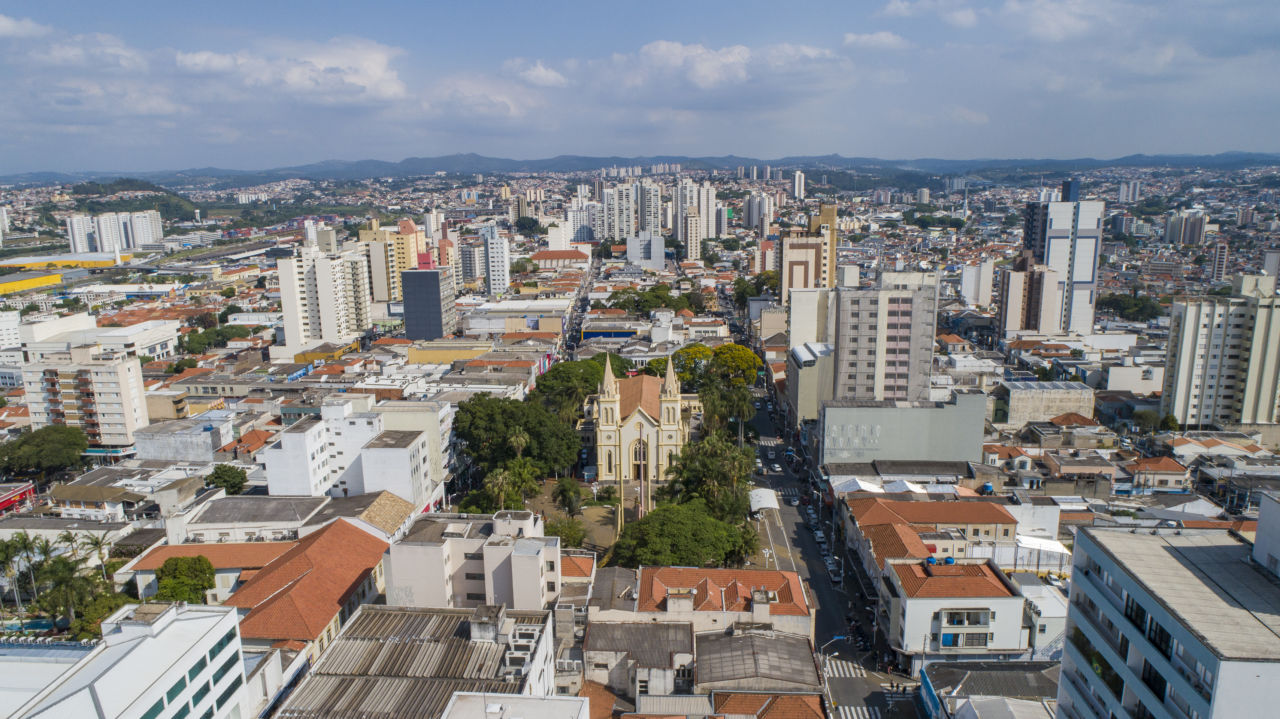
256 508
1206 579
393 439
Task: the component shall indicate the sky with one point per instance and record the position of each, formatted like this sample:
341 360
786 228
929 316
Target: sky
141 85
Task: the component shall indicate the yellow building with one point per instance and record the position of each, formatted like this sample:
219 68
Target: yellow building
447 351
824 223
28 281
391 250
327 352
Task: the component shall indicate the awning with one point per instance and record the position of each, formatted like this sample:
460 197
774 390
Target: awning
763 499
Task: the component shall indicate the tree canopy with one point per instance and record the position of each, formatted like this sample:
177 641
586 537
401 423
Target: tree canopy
52 448
486 423
716 472
683 535
565 386
1135 308
570 531
231 479
657 297
184 579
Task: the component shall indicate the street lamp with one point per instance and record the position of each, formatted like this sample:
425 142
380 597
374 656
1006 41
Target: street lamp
821 653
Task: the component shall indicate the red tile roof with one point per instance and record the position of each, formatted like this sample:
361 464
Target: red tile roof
643 392
873 510
1073 419
298 595
574 565
950 580
894 541
722 590
232 555
770 706
1155 464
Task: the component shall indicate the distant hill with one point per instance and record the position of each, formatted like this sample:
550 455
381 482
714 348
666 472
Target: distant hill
470 163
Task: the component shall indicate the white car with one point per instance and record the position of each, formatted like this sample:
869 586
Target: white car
794 501
776 468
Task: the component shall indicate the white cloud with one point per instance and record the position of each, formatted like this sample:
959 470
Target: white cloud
537 74
341 70
881 40
1055 21
969 116
96 51
950 11
21 27
704 67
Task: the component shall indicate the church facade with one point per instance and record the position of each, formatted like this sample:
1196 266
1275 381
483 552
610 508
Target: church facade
641 425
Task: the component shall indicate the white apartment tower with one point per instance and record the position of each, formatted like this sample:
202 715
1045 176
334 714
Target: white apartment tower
497 259
324 298
1218 271
100 391
108 231
797 186
1223 360
79 233
619 213
649 206
1066 238
692 233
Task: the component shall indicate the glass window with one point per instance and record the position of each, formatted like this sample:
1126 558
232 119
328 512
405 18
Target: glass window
197 668
176 689
227 693
155 710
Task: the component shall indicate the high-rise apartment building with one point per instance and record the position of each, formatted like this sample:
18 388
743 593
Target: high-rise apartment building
1130 192
619 213
797 186
391 251
648 198
824 224
472 259
691 230
324 298
1071 190
884 338
80 233
1223 360
1066 238
922 195
429 310
1218 268
1172 623
1029 301
108 233
976 282
1186 227
145 228
646 250
759 209
497 253
803 257
98 390
1271 263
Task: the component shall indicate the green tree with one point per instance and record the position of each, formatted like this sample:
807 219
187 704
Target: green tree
735 364
184 579
570 531
497 483
484 423
568 495
98 545
685 535
228 292
10 557
715 471
1146 419
621 365
204 320
52 448
527 226
185 363
1169 423
68 587
89 624
691 361
564 388
227 312
231 479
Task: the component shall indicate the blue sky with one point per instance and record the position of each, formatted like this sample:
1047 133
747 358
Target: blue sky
152 85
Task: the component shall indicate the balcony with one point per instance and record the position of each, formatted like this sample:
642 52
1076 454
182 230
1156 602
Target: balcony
1080 688
1101 667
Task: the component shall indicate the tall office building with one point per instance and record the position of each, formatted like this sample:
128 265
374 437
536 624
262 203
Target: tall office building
96 389
1172 623
884 337
391 251
797 185
1130 192
324 298
1066 238
923 195
309 233
692 233
755 172
648 198
80 233
429 310
1223 360
497 255
759 209
472 259
824 223
1218 269
1186 227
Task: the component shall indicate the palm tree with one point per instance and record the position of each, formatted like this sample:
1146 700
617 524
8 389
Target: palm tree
25 546
67 586
568 495
69 540
518 440
497 483
9 555
45 550
740 403
98 544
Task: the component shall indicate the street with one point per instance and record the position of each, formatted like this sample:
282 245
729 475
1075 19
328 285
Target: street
853 690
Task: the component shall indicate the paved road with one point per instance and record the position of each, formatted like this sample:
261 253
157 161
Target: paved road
853 691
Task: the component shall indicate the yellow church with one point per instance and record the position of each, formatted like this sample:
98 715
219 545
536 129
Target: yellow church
641 423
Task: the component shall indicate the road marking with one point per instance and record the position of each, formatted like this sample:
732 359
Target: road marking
862 712
844 668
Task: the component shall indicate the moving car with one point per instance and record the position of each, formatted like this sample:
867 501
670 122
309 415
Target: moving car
793 501
776 468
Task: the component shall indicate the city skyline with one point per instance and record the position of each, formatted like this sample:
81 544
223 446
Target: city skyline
263 86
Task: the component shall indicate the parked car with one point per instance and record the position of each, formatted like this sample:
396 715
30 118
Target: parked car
837 577
793 501
776 468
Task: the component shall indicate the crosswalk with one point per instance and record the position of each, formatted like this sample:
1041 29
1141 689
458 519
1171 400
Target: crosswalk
852 712
791 492
843 668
